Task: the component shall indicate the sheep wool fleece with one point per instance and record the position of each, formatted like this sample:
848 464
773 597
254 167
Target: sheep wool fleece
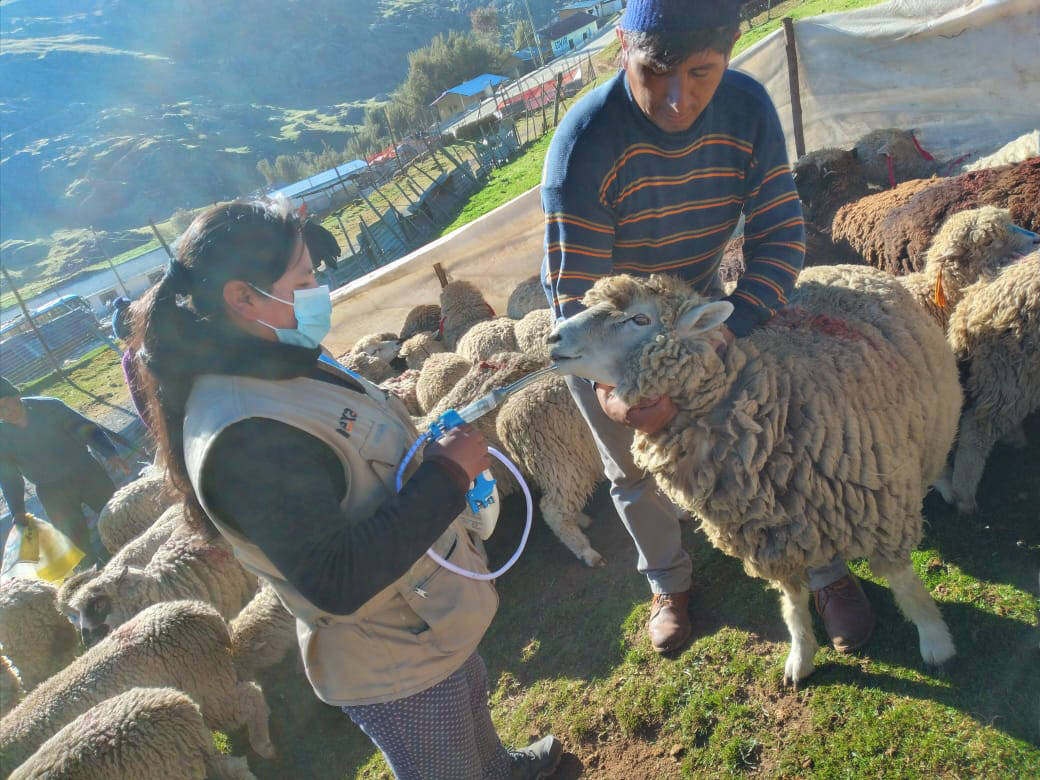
418 630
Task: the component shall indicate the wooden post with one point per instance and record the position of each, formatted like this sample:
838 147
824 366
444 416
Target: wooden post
162 240
443 277
792 78
418 210
32 324
97 244
457 164
545 124
556 100
377 251
393 141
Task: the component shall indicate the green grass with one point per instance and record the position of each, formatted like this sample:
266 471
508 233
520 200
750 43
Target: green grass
99 374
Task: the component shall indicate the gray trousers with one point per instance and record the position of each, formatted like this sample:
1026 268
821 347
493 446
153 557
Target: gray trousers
651 519
442 732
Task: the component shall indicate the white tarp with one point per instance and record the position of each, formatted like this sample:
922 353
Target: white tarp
964 75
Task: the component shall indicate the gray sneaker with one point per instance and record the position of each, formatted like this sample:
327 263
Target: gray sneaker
537 760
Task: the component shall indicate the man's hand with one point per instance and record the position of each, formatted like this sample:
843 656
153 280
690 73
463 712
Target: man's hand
648 416
120 464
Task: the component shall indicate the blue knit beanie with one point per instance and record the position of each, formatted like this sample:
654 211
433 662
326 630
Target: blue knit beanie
671 16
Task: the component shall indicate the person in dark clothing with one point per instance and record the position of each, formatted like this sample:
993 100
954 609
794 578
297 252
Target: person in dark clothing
292 459
44 441
121 318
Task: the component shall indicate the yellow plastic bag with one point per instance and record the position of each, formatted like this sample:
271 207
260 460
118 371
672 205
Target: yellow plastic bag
39 550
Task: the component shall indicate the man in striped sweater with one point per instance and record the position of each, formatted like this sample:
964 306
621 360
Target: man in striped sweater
652 172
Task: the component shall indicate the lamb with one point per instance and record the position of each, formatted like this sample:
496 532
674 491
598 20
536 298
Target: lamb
462 307
528 296
417 348
132 509
487 338
892 230
379 345
541 430
816 435
426 317
186 566
36 638
371 367
532 331
970 245
995 335
440 373
261 634
180 644
10 686
144 732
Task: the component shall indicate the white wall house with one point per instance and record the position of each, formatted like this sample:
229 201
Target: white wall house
570 33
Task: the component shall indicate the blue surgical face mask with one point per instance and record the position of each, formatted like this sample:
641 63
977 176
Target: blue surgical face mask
313 310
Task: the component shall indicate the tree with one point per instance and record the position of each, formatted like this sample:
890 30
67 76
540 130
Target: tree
523 35
485 22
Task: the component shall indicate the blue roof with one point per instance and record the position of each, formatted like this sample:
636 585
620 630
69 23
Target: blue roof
321 180
476 86
524 54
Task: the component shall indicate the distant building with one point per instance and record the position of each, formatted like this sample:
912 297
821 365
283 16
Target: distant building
598 8
520 63
326 190
569 33
460 97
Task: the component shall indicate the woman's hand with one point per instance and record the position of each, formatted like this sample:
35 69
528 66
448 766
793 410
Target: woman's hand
466 446
647 416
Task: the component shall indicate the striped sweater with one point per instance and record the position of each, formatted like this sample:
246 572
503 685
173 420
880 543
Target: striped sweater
622 196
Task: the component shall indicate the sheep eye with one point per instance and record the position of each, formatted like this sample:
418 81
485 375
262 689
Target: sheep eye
639 319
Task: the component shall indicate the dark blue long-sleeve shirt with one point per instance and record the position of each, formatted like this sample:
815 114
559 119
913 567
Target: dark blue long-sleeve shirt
620 195
51 447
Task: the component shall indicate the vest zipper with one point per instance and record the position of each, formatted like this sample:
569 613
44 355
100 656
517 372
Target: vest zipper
419 591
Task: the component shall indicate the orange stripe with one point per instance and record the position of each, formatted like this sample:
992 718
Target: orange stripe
643 268
750 299
573 250
791 196
767 282
556 218
785 224
677 237
778 263
690 205
789 244
637 149
673 182
575 275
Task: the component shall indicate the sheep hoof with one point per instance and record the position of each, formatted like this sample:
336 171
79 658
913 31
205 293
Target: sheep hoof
936 645
797 668
593 558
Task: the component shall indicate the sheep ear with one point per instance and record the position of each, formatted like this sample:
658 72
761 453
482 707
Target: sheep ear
698 319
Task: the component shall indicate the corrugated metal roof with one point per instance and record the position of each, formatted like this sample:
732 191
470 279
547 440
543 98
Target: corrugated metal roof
474 86
568 25
321 180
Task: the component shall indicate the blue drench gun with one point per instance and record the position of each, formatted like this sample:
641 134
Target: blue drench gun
482 494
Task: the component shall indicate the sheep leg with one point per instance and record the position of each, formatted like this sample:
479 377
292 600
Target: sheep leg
565 526
221 767
795 604
920 608
250 708
975 439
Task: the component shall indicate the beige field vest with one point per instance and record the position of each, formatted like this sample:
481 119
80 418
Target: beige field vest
412 634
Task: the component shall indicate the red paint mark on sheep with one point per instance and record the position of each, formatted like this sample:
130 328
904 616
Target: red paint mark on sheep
795 316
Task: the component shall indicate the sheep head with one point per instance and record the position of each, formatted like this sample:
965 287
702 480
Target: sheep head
639 335
975 243
381 345
103 604
826 180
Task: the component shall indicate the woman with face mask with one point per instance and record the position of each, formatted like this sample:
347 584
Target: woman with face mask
292 459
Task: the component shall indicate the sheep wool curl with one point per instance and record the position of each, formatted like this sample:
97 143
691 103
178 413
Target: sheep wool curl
261 634
144 732
488 338
10 686
462 307
417 348
995 336
380 345
971 245
403 387
1022 148
185 566
424 318
440 373
532 331
36 637
178 644
372 368
132 509
815 436
526 297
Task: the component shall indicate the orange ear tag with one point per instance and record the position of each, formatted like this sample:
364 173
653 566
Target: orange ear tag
940 296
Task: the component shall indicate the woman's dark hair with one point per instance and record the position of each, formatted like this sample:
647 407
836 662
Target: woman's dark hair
182 328
665 50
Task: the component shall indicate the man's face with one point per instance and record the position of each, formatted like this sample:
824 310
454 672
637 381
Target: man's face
673 99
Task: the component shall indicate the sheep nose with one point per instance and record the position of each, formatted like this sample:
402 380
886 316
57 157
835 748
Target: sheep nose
553 338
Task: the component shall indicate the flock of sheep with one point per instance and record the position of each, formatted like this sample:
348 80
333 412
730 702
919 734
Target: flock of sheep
176 631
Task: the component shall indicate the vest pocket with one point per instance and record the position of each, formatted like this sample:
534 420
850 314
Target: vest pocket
456 609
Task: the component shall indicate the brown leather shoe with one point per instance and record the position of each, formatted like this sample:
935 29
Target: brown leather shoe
669 625
847 614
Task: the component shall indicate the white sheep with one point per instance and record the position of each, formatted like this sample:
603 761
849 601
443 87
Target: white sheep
262 633
418 347
10 686
440 373
185 566
371 367
381 345
526 297
532 331
1022 148
487 338
462 307
144 732
970 245
541 430
403 386
178 644
995 335
35 636
133 508
815 436
426 317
